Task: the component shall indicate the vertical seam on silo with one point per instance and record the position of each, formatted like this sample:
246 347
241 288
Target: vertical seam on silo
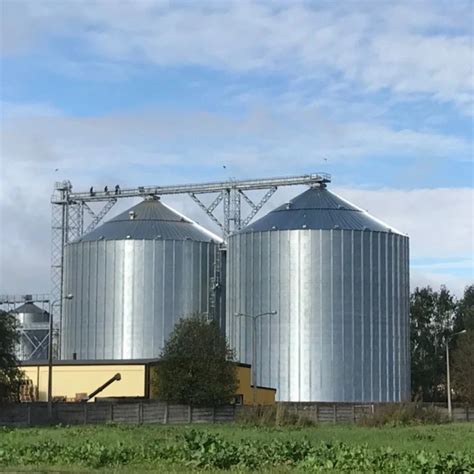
341 233
299 280
309 315
279 306
270 323
388 320
353 382
331 300
173 282
362 317
163 293
371 313
379 304
153 351
103 309
260 284
321 310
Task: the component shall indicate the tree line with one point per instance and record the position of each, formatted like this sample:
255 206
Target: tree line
437 318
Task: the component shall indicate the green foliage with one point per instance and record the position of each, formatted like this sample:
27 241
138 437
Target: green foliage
432 316
10 375
400 414
277 415
201 449
196 366
465 311
462 367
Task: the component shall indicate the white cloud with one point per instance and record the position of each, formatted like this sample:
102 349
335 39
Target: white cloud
406 47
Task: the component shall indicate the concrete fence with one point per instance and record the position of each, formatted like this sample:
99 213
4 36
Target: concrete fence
138 412
353 412
28 414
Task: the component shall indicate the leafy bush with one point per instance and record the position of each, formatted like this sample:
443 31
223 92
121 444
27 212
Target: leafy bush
398 414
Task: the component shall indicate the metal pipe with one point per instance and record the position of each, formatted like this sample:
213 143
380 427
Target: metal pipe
254 349
116 377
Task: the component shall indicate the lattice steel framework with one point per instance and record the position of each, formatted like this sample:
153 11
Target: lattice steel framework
68 209
37 335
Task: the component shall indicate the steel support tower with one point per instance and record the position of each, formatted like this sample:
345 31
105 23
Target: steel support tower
34 334
70 208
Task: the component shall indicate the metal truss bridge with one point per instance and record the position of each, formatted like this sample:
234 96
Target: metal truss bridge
69 209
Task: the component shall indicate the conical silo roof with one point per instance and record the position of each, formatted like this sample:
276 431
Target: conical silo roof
29 308
318 208
150 220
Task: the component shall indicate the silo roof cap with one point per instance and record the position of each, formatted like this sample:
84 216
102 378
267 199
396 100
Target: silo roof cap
29 308
151 220
318 208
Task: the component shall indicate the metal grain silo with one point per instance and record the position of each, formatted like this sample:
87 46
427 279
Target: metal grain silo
33 342
338 279
132 279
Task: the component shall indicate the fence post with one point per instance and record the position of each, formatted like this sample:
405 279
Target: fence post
85 412
28 415
190 414
213 414
165 418
353 414
335 413
140 412
111 413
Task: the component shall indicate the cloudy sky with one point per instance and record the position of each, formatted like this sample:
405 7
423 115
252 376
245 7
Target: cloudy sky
377 93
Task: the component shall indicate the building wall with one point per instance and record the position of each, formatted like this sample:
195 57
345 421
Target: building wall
265 396
69 380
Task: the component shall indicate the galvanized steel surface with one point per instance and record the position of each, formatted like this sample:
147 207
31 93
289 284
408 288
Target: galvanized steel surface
33 340
342 328
128 294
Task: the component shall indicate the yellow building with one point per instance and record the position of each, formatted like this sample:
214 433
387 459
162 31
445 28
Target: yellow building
76 379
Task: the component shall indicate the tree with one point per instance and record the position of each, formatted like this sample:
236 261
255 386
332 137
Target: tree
432 316
196 366
10 374
465 311
462 367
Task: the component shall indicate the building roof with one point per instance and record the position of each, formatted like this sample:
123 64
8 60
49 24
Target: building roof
150 220
318 208
29 308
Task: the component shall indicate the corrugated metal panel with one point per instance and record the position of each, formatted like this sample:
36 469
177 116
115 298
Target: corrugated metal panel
128 294
318 208
341 331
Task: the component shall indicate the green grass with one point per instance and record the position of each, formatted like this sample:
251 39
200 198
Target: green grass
444 439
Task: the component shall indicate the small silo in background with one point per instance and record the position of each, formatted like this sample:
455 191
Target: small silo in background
34 331
132 279
339 280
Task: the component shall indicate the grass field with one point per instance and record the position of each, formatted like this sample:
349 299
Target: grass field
445 448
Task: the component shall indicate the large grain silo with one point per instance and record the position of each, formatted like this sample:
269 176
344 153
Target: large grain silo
338 279
132 279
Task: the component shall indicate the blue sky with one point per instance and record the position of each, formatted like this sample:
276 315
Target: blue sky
379 94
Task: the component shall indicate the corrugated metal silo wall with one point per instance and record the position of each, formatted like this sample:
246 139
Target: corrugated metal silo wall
128 295
342 328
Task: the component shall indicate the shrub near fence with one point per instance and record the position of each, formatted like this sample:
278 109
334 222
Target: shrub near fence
27 414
